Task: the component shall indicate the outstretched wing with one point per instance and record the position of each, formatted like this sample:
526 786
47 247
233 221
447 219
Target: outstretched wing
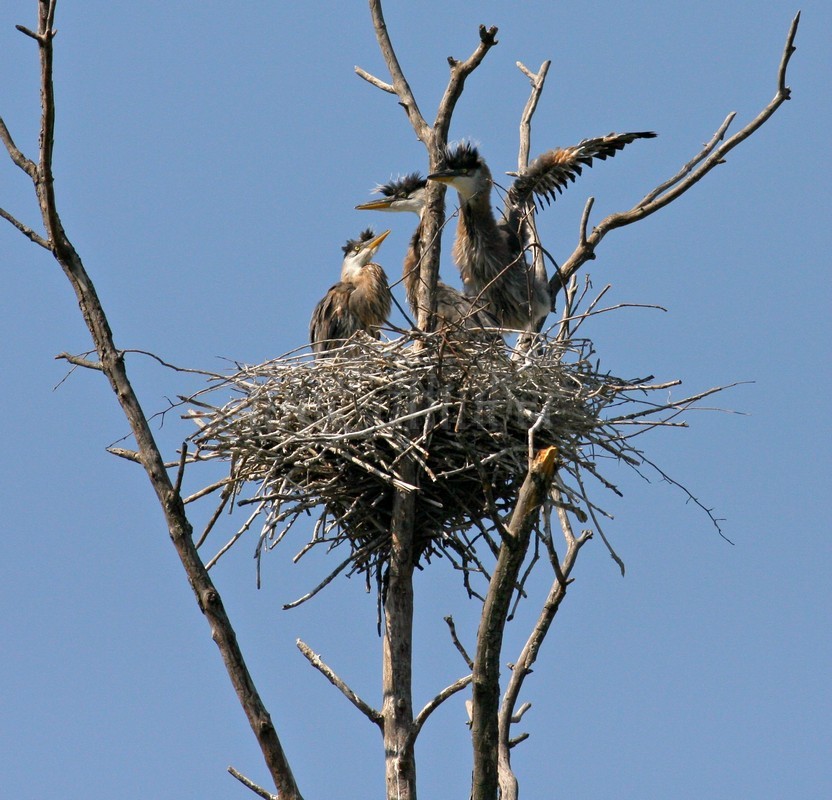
550 173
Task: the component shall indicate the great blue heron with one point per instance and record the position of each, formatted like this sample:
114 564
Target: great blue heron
360 301
490 253
453 309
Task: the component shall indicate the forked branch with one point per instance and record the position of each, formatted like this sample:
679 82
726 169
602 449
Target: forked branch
434 138
711 155
522 666
111 363
460 70
486 688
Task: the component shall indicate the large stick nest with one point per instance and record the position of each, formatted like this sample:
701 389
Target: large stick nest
335 435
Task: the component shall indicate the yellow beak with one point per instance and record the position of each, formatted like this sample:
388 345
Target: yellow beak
374 244
374 205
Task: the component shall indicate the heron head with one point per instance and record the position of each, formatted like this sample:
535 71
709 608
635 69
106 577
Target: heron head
403 194
465 171
358 252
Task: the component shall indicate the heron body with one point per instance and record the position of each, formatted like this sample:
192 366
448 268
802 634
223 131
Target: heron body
360 301
490 252
453 308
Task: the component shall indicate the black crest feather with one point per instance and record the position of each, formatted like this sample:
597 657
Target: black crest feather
463 155
402 186
364 237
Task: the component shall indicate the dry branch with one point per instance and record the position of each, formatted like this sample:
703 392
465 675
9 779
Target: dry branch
522 667
712 155
457 644
250 784
316 661
448 691
111 361
486 686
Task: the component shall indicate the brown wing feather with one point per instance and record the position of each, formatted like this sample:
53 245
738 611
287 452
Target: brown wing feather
550 173
349 307
333 320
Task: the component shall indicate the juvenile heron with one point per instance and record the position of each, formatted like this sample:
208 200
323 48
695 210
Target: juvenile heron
453 309
360 301
490 253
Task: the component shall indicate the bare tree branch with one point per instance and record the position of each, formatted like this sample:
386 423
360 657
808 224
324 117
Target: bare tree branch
455 639
209 489
377 82
26 164
128 455
112 364
707 148
531 236
537 80
522 667
486 682
518 715
78 361
316 661
180 472
437 701
400 85
258 790
690 174
397 644
460 70
25 229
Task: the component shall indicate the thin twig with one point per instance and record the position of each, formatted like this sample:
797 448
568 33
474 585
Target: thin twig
259 790
437 701
180 472
78 361
25 230
690 174
214 517
457 644
316 661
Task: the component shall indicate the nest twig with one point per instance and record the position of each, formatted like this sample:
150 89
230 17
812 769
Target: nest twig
329 435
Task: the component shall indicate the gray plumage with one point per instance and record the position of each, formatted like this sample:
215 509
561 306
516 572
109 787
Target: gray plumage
360 301
490 253
453 309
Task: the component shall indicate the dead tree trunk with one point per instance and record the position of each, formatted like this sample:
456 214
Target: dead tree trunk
486 684
397 649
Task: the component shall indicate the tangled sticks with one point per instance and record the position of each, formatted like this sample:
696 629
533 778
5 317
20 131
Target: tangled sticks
329 436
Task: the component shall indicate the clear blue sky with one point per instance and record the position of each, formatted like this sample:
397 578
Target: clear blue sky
208 158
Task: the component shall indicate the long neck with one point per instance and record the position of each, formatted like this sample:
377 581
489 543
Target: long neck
371 301
410 268
478 241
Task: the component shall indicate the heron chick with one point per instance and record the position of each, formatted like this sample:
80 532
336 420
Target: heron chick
491 253
454 310
360 301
